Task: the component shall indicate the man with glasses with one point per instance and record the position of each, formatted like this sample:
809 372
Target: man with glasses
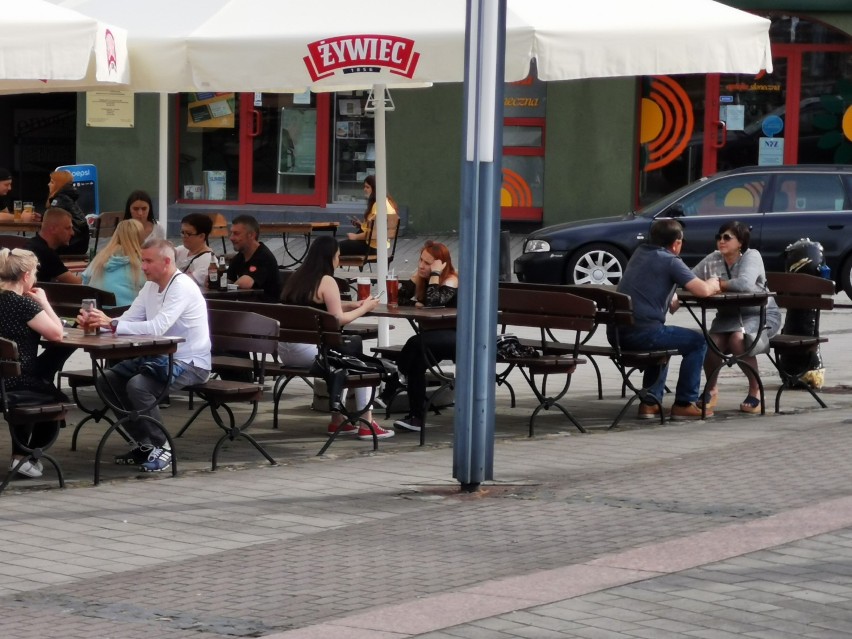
653 273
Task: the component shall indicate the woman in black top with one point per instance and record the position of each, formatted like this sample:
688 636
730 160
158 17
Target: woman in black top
25 318
435 283
313 284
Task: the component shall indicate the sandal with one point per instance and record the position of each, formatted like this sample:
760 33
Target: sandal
751 405
708 399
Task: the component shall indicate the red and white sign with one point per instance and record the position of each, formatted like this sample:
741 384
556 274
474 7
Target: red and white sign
361 54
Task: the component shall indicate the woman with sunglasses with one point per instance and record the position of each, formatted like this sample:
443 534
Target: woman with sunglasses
740 270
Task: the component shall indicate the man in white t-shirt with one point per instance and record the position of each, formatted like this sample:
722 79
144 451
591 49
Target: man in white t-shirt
170 303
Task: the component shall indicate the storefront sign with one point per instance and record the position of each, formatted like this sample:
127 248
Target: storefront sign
361 54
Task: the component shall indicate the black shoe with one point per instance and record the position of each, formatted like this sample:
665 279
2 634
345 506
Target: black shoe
135 457
165 402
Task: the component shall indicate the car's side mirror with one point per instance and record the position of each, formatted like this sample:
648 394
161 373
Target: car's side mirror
675 210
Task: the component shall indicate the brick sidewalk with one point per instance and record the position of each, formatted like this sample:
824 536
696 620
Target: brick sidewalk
739 526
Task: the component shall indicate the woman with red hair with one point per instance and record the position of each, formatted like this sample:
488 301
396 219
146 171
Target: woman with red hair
435 283
63 194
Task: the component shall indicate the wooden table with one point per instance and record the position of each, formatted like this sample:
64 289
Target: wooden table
305 229
106 347
727 300
20 227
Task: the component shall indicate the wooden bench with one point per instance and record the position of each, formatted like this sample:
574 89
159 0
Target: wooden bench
236 331
51 412
611 309
546 310
801 292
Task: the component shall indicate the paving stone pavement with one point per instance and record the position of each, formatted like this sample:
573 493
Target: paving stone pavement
738 526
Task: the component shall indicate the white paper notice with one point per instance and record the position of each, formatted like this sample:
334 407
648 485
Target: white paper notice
770 151
733 116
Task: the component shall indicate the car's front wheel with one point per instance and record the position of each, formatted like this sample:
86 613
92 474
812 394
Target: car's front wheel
596 264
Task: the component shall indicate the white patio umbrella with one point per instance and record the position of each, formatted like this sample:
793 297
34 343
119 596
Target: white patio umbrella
284 45
49 48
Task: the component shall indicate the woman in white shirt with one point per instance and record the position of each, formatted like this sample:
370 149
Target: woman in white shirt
139 206
194 257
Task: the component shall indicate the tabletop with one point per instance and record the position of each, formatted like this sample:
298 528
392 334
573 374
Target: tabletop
725 300
416 313
109 346
297 227
19 227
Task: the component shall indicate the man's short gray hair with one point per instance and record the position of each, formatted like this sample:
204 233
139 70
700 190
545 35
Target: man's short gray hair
164 247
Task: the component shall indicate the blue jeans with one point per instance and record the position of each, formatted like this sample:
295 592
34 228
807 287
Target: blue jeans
691 346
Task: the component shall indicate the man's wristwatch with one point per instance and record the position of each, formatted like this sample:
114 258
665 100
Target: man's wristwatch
113 325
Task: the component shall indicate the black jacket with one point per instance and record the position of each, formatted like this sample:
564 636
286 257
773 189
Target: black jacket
67 199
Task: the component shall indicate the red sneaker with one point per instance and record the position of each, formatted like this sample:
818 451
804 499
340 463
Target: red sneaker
345 429
381 433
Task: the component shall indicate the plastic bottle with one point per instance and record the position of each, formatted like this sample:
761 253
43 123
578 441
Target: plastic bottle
223 273
212 275
825 271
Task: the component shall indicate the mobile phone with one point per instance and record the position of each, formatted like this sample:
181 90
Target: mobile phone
355 221
379 295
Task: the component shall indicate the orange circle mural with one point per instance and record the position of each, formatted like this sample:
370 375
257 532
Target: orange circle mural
667 122
515 191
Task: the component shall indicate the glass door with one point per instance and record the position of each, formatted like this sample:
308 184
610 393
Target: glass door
749 123
285 148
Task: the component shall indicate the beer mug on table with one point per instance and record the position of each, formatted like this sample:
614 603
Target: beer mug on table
87 305
18 208
363 286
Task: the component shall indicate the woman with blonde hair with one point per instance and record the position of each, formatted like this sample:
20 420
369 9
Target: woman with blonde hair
26 318
63 194
118 266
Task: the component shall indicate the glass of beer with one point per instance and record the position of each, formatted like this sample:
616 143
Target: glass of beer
392 287
18 208
85 306
28 210
363 288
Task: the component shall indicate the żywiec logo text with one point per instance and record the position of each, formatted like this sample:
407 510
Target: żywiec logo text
361 54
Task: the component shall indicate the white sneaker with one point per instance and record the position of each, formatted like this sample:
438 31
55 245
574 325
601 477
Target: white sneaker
28 469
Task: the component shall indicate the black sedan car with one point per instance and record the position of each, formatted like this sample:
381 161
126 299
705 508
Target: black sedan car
781 204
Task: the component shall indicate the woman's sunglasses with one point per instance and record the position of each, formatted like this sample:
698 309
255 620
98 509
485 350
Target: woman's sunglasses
725 236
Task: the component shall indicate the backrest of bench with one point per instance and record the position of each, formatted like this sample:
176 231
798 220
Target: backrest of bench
545 309
243 331
66 299
10 365
612 307
801 291
296 324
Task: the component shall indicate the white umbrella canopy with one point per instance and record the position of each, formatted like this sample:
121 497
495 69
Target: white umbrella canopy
50 48
265 45
284 45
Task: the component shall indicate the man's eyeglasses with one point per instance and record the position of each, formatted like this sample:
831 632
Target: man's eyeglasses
725 236
188 234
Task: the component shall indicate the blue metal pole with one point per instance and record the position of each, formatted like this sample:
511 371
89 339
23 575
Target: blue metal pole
479 232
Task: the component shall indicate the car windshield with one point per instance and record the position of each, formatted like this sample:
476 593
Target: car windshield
650 210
